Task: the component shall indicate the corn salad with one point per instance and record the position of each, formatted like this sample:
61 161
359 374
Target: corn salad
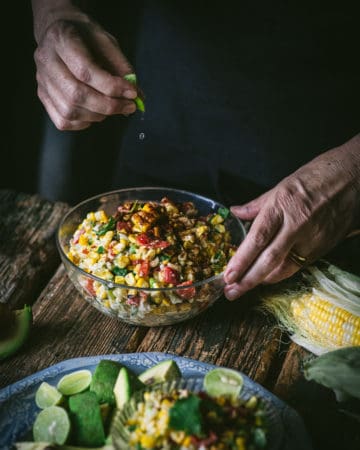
150 245
184 420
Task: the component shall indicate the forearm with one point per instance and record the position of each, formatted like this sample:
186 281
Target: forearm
46 12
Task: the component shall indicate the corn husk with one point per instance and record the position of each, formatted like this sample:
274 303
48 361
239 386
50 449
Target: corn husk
322 281
338 370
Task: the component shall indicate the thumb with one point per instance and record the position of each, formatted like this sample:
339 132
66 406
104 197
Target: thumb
248 211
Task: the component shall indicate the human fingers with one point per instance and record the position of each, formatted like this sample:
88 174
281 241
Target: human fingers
284 270
248 211
262 231
60 122
272 256
113 57
72 47
77 101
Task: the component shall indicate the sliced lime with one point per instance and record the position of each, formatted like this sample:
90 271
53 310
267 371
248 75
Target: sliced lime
52 425
131 78
47 395
74 382
223 381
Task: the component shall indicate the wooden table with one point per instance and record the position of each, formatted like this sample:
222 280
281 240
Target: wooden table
232 334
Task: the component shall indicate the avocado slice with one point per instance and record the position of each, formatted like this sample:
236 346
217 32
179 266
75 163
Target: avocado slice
126 384
14 329
88 428
164 371
104 379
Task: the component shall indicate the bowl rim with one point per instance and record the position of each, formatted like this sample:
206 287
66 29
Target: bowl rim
112 284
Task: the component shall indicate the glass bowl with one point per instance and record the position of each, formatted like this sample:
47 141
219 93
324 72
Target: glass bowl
113 301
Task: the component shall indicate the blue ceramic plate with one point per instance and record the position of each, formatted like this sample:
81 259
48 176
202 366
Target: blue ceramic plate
18 409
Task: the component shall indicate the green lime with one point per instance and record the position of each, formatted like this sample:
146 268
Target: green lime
74 382
52 425
47 395
131 78
223 381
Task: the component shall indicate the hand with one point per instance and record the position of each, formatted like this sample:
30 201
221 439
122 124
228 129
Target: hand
80 69
308 212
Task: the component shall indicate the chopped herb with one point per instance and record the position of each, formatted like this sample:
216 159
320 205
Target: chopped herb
133 206
185 415
119 272
223 212
90 241
151 282
106 227
164 257
101 249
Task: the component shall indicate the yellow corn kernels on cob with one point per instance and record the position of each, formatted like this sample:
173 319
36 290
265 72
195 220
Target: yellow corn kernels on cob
326 322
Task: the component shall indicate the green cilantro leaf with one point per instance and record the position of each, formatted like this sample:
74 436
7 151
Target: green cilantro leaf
101 250
120 272
185 415
223 212
106 227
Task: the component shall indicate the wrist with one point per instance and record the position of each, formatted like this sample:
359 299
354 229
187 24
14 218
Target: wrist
46 12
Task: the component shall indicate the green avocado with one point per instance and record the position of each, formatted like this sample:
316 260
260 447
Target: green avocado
14 329
126 384
164 371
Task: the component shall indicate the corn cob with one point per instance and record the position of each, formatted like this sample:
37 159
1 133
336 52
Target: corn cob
325 322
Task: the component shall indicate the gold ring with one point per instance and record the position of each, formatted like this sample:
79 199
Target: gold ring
296 258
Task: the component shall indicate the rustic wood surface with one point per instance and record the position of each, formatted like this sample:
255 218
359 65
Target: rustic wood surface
232 334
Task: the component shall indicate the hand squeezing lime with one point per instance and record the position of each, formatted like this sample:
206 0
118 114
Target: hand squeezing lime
223 381
139 102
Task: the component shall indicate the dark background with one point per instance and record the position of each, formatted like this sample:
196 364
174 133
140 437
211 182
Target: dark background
22 111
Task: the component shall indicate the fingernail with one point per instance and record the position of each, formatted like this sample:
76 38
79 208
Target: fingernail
230 277
231 294
130 94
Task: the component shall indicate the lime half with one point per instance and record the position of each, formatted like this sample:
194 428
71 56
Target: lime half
52 425
47 395
74 382
223 381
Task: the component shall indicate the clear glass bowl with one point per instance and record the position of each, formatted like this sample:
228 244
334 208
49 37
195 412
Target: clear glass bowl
114 296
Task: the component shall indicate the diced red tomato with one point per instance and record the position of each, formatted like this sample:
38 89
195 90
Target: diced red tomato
89 286
85 251
144 268
188 293
143 239
143 296
123 226
146 241
170 275
159 244
133 300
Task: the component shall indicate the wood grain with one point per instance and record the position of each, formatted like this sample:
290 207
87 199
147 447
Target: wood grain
232 334
28 254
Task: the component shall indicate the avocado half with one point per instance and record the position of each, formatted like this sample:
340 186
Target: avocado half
14 329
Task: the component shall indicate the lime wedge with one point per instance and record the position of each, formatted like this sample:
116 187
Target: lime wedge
52 425
47 395
223 381
74 382
131 78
